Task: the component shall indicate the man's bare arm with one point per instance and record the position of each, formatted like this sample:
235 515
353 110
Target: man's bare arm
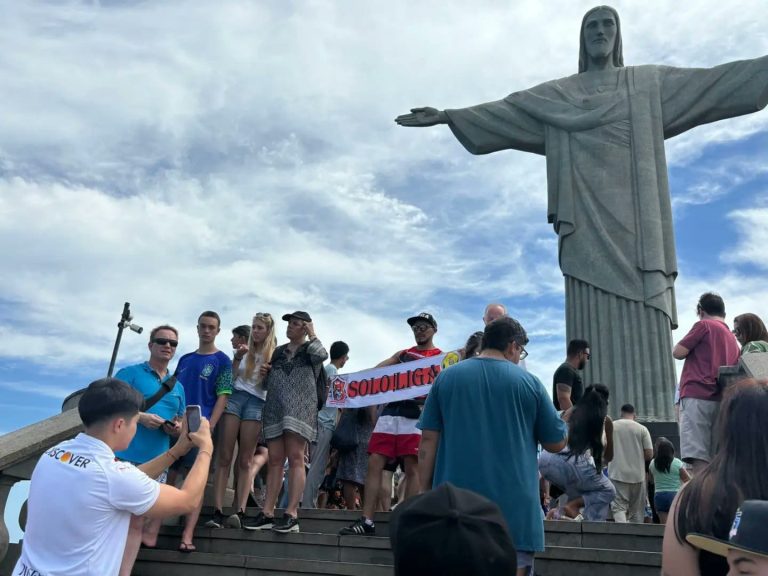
394 359
427 454
608 427
218 409
157 465
173 501
680 352
648 454
555 447
564 396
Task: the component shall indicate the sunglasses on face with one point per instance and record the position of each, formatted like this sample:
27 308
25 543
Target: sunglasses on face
164 341
420 327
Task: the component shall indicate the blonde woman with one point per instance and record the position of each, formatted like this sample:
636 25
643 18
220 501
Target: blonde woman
242 418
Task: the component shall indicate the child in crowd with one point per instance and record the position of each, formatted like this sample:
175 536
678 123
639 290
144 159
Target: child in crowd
668 474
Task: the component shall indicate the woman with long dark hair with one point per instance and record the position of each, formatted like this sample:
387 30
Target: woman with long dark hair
668 476
708 503
751 333
578 469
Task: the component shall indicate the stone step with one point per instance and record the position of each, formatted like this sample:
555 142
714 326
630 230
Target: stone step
560 561
555 561
168 563
236 552
266 543
608 535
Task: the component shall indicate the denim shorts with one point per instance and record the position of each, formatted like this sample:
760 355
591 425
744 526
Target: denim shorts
663 500
244 405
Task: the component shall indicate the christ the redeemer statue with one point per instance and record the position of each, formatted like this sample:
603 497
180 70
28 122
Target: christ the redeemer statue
602 131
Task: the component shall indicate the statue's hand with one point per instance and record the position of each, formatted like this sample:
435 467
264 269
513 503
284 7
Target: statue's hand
422 117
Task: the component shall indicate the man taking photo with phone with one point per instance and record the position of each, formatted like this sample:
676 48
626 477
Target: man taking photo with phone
81 499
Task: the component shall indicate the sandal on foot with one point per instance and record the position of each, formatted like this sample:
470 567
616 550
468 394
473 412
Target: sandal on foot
187 548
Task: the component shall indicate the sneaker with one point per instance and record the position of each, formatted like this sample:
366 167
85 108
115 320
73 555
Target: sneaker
287 524
260 522
235 520
217 521
359 528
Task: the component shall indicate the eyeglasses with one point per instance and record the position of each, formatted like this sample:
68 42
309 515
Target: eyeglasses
421 327
164 341
523 352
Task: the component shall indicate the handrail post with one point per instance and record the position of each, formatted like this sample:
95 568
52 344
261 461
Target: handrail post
6 484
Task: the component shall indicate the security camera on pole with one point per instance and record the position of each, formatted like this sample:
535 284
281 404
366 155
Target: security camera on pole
125 322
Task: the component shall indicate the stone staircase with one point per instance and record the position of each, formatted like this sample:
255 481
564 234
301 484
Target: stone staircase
573 548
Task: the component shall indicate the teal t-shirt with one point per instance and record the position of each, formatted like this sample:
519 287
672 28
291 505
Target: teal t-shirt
149 443
667 481
492 414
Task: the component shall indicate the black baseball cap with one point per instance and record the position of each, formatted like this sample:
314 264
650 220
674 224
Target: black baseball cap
298 314
450 531
747 533
424 317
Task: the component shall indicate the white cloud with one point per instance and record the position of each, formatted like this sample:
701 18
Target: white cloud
242 156
752 224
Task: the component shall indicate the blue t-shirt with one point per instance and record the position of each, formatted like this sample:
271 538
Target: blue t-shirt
151 442
491 415
205 377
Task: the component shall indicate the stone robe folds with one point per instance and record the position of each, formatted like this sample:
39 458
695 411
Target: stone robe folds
609 201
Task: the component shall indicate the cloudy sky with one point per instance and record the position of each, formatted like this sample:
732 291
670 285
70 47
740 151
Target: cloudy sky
242 156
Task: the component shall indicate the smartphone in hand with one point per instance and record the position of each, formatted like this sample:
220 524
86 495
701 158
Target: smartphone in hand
193 418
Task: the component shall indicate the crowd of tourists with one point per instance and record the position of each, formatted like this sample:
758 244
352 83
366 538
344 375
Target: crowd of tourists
525 454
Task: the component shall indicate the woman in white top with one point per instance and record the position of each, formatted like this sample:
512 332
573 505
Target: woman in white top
242 417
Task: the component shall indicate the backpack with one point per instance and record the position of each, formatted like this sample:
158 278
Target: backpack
321 385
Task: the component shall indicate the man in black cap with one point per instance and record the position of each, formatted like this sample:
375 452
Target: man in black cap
396 436
449 531
747 545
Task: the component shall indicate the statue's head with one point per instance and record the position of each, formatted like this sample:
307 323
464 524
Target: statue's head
600 36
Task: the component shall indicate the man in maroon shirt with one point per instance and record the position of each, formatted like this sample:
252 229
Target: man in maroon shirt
709 345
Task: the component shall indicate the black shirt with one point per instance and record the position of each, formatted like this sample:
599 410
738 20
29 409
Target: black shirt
568 375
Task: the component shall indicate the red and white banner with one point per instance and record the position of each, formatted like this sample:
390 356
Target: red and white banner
388 383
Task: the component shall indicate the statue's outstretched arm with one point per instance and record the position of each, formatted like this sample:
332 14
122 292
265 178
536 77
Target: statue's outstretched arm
422 118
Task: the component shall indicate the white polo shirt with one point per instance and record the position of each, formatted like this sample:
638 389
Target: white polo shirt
80 505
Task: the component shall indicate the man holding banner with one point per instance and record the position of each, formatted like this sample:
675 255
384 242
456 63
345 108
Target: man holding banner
396 435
